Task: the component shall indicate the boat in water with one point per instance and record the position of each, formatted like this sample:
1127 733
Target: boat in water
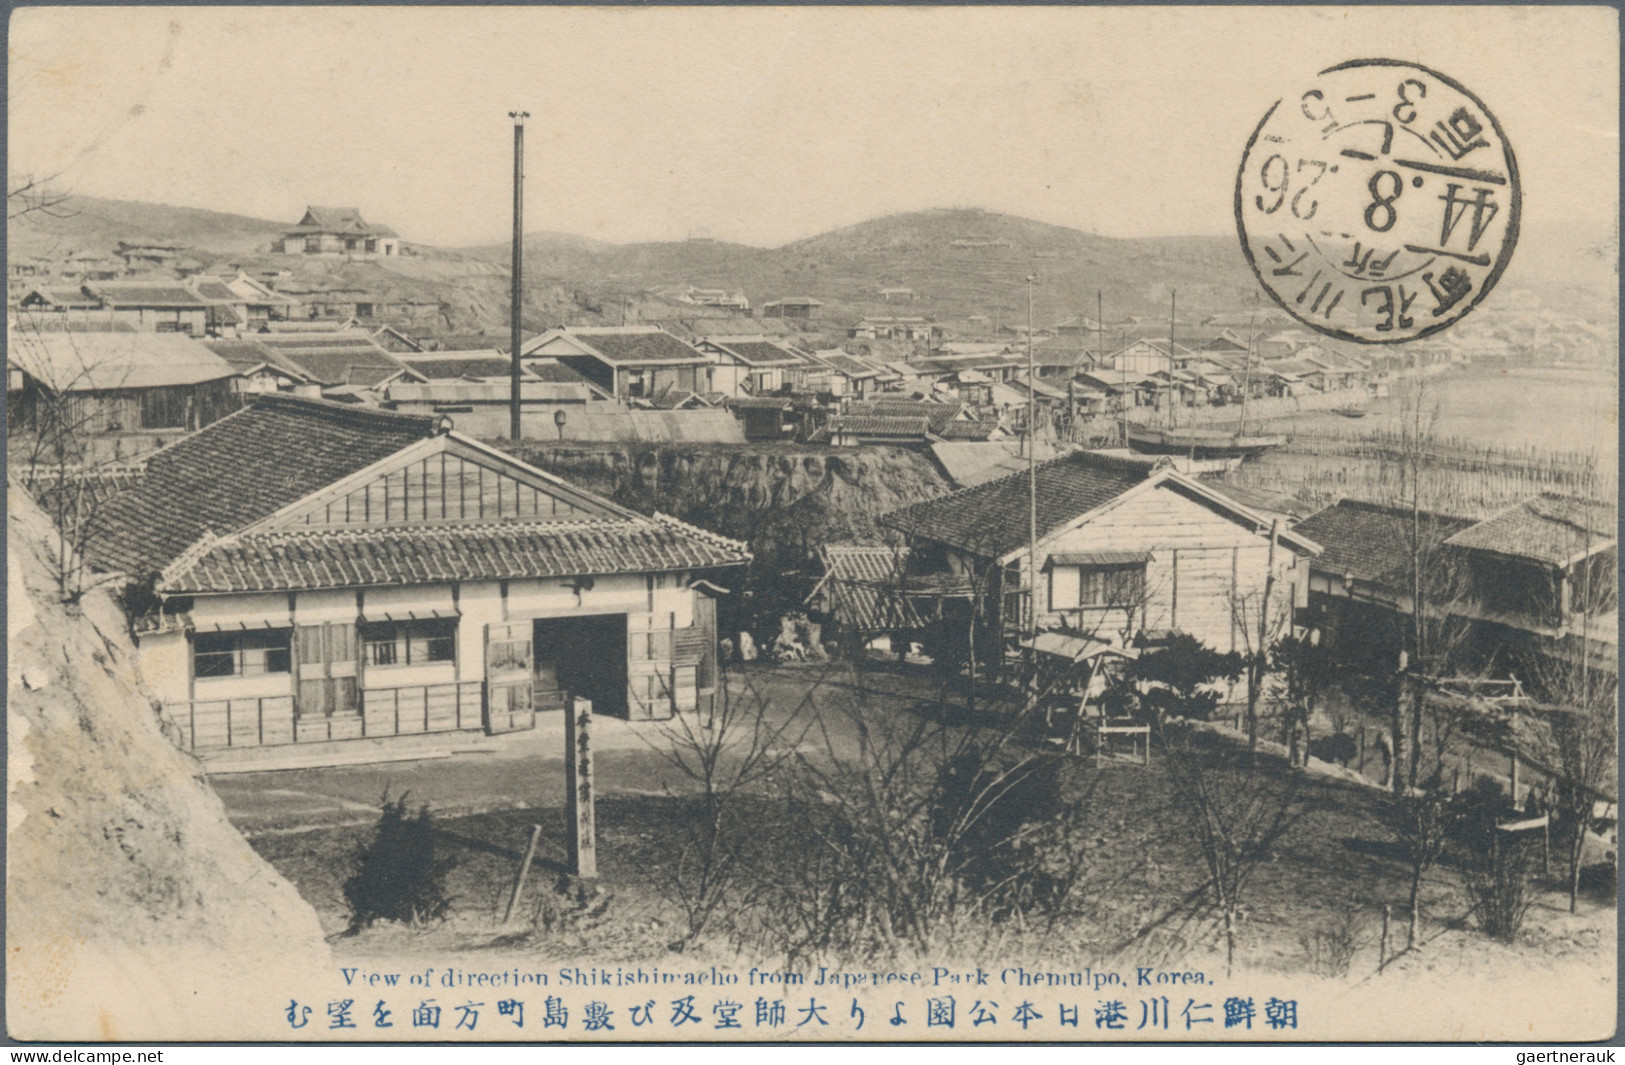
1201 443
1349 412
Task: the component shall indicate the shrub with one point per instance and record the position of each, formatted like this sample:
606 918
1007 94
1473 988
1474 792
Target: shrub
400 877
1330 946
1497 882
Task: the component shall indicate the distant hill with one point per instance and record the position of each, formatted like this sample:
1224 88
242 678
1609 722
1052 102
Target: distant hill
959 261
92 224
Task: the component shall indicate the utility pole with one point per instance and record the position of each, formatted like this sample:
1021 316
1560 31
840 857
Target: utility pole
1032 473
516 296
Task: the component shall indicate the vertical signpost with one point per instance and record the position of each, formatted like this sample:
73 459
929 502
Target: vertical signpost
578 805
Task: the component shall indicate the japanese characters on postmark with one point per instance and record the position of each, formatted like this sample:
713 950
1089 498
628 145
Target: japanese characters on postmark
1379 204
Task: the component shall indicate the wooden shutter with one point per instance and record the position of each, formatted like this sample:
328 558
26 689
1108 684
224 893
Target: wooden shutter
509 697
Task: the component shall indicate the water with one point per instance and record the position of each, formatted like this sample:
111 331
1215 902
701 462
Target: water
1559 410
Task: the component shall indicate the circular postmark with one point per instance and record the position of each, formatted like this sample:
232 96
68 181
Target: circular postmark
1380 203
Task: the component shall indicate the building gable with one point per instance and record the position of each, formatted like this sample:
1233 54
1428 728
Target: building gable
443 479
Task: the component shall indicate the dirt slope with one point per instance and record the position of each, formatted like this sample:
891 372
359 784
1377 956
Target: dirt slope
135 910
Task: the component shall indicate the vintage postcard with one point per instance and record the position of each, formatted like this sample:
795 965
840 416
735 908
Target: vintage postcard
839 524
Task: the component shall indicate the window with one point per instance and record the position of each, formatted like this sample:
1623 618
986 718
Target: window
1110 586
637 383
241 654
349 244
363 310
410 643
313 244
372 246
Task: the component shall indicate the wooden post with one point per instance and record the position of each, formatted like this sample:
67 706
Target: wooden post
1362 749
1382 944
524 871
579 798
1512 756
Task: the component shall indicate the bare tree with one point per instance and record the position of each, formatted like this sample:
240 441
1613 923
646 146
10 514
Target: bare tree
53 434
728 755
33 195
1240 809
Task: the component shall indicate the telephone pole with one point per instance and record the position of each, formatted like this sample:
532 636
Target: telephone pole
1032 472
516 296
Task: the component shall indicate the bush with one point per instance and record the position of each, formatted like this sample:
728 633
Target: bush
1497 882
1331 946
399 877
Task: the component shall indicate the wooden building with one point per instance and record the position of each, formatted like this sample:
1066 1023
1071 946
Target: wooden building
802 307
322 575
749 365
630 362
105 384
341 232
1125 547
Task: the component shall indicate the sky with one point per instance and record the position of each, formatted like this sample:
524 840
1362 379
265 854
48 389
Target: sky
758 125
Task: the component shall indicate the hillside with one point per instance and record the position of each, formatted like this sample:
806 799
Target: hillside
135 911
959 261
92 224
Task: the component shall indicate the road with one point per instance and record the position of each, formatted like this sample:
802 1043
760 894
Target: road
527 770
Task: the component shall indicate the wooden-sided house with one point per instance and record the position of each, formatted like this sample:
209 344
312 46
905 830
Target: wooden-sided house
99 384
1126 547
628 361
316 573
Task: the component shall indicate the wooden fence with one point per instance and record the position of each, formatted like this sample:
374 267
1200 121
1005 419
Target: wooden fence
270 721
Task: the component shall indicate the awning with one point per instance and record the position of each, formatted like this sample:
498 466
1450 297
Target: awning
1098 558
238 612
413 603
1074 648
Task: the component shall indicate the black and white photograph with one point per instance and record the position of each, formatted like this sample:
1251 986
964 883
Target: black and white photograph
812 524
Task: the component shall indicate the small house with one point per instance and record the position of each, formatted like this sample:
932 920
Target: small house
630 362
1124 547
802 307
339 232
102 384
748 365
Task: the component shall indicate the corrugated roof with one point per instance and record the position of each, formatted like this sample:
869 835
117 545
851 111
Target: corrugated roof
348 558
1369 541
1550 528
241 469
862 585
460 391
244 355
89 362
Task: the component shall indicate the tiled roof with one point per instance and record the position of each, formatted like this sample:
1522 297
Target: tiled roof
122 294
937 415
447 365
61 296
241 469
760 352
633 346
1369 541
1550 528
846 364
88 362
991 519
215 291
879 425
347 358
247 354
968 430
311 559
555 371
346 220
